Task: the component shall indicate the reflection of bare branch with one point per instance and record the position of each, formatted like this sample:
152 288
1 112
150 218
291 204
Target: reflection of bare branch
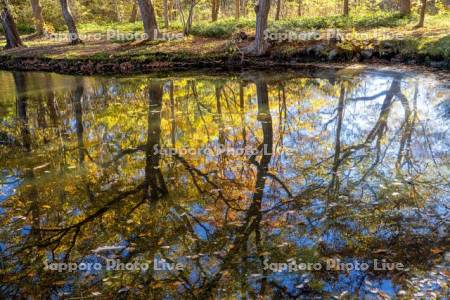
254 215
123 153
369 97
62 232
380 127
283 185
194 171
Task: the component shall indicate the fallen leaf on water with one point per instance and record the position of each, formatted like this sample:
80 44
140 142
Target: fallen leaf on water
41 167
436 250
380 251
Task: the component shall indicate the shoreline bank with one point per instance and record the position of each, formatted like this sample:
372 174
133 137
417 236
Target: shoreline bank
280 56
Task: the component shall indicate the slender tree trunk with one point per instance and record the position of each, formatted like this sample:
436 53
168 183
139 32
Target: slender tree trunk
9 26
149 19
299 8
405 7
166 13
214 10
259 46
277 13
237 9
432 9
244 8
346 8
133 15
423 10
74 38
190 20
38 18
173 10
117 14
188 25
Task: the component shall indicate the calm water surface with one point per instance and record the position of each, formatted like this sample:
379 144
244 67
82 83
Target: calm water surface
307 185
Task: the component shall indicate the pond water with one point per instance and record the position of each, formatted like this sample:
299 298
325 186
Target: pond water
310 184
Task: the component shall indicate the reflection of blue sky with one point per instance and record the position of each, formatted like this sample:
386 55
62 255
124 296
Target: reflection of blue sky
8 186
203 230
362 282
308 144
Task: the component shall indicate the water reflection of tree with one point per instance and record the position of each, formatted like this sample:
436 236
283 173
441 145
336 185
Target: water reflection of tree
154 179
22 102
242 224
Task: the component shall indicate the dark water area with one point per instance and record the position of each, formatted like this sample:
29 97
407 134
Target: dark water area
331 184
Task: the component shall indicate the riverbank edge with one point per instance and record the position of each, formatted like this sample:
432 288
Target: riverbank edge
174 62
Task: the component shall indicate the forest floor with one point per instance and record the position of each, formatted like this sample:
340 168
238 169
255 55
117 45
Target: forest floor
222 47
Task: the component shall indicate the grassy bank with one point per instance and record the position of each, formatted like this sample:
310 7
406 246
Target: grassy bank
225 28
217 42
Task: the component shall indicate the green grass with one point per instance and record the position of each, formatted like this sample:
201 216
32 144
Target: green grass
22 28
366 21
225 28
427 48
103 27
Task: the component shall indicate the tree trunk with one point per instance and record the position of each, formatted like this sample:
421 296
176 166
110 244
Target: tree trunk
188 23
74 38
259 46
214 10
244 8
149 19
300 7
346 8
133 16
117 14
190 19
277 13
237 9
9 26
423 10
155 185
37 16
405 7
432 8
173 10
166 13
